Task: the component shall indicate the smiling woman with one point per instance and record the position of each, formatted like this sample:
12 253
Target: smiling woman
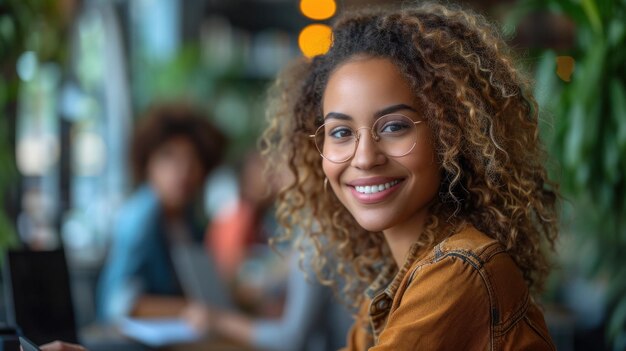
439 202
358 90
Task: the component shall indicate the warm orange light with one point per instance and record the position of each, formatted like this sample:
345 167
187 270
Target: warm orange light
565 67
315 39
318 9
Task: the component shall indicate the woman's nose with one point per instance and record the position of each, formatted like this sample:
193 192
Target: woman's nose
368 153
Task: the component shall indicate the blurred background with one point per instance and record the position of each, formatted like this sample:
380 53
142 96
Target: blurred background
78 75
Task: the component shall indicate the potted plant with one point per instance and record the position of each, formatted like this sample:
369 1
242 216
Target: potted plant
585 129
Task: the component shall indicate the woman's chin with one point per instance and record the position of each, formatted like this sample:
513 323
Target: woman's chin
372 225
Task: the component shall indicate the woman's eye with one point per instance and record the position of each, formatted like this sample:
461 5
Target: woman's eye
393 127
341 133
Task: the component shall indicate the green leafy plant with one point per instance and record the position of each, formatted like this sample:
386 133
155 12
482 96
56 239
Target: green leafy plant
25 25
586 133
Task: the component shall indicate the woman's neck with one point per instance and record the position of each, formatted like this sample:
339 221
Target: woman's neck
400 237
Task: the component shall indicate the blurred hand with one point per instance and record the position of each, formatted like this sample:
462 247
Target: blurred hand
199 316
61 346
232 325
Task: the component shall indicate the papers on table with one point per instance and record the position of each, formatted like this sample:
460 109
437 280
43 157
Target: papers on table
158 332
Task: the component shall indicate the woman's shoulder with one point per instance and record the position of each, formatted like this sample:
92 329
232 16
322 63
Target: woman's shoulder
480 265
143 199
467 294
139 214
470 247
470 242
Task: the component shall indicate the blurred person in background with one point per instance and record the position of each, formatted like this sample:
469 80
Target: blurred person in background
307 318
312 319
174 148
246 222
237 239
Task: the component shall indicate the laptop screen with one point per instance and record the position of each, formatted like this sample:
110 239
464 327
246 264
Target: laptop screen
37 293
198 275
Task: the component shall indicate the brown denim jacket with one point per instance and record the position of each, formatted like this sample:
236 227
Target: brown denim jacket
466 294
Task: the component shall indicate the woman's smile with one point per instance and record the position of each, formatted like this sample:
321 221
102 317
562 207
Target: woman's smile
374 190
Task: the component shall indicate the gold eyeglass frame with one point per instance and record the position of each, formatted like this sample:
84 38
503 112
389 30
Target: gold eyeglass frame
374 136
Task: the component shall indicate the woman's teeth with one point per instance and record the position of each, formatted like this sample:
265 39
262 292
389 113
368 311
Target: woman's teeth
372 189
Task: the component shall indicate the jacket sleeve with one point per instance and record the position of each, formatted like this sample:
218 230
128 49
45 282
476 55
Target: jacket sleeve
445 307
121 280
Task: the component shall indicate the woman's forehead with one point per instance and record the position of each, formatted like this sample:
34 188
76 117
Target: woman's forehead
365 86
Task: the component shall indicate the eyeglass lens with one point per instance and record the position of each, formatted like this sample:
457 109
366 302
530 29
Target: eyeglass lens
395 134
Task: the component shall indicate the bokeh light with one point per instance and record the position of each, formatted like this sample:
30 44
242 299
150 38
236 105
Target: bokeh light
27 65
318 9
565 67
315 39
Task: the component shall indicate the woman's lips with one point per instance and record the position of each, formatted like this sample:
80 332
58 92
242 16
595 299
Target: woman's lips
372 191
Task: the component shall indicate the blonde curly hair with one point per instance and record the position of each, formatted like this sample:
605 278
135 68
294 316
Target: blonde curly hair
485 123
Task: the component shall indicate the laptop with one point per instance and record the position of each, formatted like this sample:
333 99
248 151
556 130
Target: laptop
198 276
37 295
28 345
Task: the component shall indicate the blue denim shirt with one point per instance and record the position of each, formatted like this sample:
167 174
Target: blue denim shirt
138 261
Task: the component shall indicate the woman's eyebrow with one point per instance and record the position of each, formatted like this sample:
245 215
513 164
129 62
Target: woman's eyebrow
380 113
392 109
337 115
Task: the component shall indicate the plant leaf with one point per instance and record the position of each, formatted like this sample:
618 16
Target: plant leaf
617 322
591 10
618 111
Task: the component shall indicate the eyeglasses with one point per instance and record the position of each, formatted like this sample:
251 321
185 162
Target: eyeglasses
395 134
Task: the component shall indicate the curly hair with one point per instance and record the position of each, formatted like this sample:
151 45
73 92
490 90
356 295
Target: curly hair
485 122
164 121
